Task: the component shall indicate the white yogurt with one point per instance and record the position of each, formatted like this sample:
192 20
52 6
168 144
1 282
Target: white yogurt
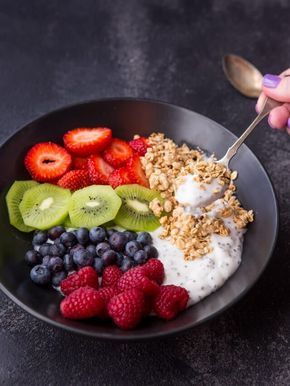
205 274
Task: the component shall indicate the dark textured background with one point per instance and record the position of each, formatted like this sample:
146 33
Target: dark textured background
57 52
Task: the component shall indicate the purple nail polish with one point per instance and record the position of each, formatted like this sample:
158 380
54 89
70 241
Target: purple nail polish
271 81
288 123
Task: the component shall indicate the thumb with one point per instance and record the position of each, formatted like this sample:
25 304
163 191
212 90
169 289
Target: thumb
277 87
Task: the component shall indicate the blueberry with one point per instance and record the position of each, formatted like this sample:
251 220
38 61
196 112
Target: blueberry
82 258
151 251
97 235
46 260
56 232
55 264
32 257
82 236
40 274
119 259
101 248
126 264
68 239
53 250
91 248
57 241
61 249
111 231
39 238
140 257
109 257
68 262
132 247
118 241
130 235
75 248
144 238
44 249
98 265
58 277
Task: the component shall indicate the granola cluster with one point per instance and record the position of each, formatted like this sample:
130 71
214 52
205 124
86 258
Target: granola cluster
165 165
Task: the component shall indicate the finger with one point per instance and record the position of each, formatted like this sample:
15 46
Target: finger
260 102
288 126
285 73
277 87
278 117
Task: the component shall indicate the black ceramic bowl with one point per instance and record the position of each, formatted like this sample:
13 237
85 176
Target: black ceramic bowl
126 117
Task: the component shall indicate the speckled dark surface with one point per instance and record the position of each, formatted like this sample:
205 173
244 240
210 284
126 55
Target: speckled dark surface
54 53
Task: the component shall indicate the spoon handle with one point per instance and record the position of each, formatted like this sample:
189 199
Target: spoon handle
268 105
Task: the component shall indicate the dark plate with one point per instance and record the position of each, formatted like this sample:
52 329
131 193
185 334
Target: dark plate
126 117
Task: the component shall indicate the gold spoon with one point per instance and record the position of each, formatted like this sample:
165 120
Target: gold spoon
242 75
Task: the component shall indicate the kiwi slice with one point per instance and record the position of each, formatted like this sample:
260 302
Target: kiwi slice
93 206
13 199
135 213
45 206
67 223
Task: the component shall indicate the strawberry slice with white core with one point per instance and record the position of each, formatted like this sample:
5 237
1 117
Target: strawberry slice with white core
99 170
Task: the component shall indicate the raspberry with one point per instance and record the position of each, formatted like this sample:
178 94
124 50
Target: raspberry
154 270
135 278
139 145
86 276
111 275
107 293
83 303
170 301
127 308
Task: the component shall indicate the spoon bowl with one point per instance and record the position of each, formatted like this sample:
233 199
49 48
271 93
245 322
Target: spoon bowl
242 75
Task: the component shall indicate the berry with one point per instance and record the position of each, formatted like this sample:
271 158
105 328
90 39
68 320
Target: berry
144 238
127 308
151 251
74 180
39 238
170 301
154 270
40 274
79 163
139 145
132 247
75 248
98 265
91 248
140 257
46 260
111 231
109 257
82 236
68 262
82 258
117 153
57 250
44 249
111 275
101 248
126 264
135 278
119 177
85 141
55 264
119 258
32 257
47 161
97 235
82 303
118 241
99 170
107 293
130 235
136 172
55 232
57 278
68 239
86 276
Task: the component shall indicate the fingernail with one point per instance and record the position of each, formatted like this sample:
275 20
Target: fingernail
257 109
288 123
270 124
271 81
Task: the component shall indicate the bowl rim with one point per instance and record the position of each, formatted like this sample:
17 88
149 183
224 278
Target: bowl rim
177 330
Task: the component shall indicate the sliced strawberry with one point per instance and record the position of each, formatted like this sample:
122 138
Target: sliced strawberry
135 171
99 170
75 179
85 141
120 177
79 163
118 152
139 145
47 161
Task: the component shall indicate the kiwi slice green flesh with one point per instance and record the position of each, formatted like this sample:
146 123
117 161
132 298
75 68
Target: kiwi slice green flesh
45 206
13 199
93 206
135 213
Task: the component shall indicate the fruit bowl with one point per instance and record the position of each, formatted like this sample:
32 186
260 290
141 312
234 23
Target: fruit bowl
126 117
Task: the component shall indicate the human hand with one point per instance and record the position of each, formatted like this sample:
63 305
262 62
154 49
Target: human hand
278 88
